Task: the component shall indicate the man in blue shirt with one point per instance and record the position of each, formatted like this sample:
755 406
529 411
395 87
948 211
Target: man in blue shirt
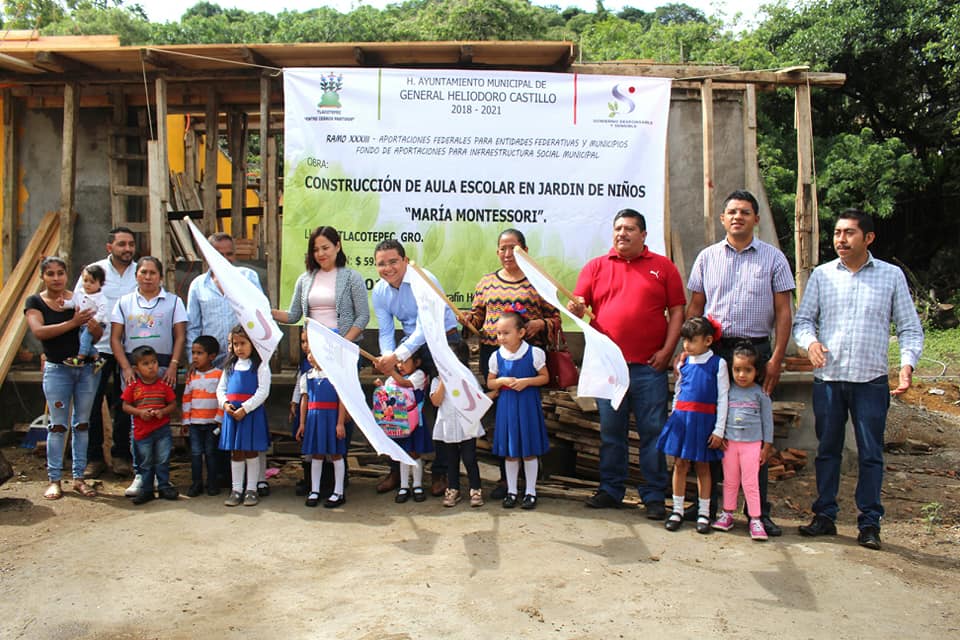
393 300
208 311
844 323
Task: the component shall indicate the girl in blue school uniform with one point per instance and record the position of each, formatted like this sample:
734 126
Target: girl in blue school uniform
409 375
518 370
244 387
322 432
694 431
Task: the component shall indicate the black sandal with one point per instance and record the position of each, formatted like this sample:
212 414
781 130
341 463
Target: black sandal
313 499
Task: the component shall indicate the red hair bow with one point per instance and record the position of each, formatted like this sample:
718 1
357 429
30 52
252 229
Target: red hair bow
717 328
516 307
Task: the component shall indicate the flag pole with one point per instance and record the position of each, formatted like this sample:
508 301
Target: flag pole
562 289
440 293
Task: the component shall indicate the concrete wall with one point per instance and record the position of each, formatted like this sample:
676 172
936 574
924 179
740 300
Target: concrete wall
39 157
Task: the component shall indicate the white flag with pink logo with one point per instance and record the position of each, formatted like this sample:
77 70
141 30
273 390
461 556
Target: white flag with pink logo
251 307
604 372
338 359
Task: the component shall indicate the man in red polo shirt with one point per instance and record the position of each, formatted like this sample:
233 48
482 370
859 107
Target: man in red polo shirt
637 298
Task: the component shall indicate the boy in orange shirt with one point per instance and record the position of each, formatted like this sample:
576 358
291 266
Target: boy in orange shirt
202 414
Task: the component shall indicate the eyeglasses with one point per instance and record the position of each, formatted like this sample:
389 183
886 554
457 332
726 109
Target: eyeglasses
389 263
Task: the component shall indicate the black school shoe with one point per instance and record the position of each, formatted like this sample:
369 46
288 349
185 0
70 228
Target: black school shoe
194 490
869 537
510 501
529 502
169 493
772 528
334 501
143 497
674 522
821 525
603 500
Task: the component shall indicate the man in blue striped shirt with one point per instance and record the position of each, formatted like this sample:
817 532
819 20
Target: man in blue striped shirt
844 324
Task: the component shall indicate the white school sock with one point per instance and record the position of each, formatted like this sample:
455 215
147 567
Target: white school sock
339 471
253 472
262 459
703 507
236 474
404 475
418 473
512 467
678 504
316 470
530 468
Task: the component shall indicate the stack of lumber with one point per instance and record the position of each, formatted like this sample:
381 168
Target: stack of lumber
183 197
786 463
573 420
23 283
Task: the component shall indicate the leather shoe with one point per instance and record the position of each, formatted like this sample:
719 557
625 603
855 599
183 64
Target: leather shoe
656 510
438 485
869 537
772 528
122 467
93 469
673 523
821 525
389 483
603 500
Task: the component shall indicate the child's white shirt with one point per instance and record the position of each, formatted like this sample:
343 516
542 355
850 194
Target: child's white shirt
95 302
723 391
539 357
449 426
263 384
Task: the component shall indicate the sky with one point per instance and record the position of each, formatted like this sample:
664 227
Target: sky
171 10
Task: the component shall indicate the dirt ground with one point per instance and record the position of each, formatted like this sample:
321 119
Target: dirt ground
104 569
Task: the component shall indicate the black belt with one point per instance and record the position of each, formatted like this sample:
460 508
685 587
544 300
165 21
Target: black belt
731 341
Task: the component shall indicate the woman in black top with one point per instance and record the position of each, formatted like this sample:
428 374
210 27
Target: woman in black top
58 329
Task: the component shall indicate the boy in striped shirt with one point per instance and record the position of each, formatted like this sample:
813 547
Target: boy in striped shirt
150 401
202 414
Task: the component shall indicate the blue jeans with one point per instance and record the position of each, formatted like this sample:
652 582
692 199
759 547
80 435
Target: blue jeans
866 403
68 390
87 341
153 452
203 443
135 456
647 399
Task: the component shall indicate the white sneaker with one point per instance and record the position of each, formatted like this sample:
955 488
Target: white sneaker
135 486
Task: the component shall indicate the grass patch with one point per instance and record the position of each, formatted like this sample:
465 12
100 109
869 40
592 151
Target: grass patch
941 348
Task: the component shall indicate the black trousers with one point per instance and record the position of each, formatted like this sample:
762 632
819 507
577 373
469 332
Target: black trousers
109 387
466 451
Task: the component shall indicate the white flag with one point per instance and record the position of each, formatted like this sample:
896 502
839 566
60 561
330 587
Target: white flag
604 372
338 359
248 302
460 385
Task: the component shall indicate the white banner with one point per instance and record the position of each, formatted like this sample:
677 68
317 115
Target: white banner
459 384
251 307
338 359
604 372
443 160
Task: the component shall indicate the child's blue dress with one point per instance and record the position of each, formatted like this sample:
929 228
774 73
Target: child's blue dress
320 432
252 433
520 429
694 417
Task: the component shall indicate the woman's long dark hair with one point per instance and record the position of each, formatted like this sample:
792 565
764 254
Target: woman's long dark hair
231 360
333 236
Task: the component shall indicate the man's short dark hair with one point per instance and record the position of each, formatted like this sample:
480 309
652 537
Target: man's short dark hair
864 219
743 194
209 344
140 353
387 245
220 236
112 235
631 213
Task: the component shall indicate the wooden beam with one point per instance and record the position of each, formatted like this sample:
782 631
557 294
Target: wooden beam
268 222
806 235
162 61
209 187
17 65
706 102
237 132
252 56
719 74
359 56
59 63
466 54
190 157
68 169
11 181
159 183
160 239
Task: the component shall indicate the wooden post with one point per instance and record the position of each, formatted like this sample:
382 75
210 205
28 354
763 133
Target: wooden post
190 158
211 153
807 229
116 149
706 101
8 248
237 130
751 174
268 193
159 230
158 182
68 168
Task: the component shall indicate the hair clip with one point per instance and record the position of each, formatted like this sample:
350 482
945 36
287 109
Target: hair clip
717 328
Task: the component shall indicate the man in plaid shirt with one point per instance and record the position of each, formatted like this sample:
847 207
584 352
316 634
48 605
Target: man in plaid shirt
844 324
